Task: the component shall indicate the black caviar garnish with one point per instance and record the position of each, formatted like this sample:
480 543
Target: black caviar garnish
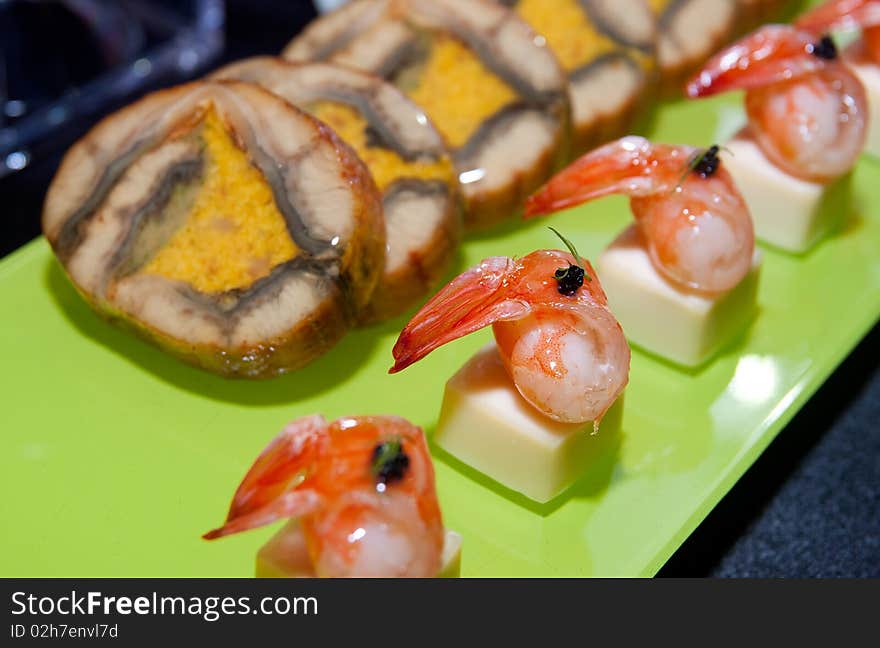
389 462
707 163
824 49
570 279
703 162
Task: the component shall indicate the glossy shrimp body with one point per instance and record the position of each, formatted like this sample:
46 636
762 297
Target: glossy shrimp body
695 225
806 110
360 517
847 15
566 354
871 39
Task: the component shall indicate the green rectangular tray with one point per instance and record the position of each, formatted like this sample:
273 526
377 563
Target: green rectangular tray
115 458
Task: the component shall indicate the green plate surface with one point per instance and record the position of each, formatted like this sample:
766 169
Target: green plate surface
116 458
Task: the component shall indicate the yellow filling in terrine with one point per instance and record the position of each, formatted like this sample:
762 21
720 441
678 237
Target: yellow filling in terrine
571 34
234 233
385 165
568 31
457 91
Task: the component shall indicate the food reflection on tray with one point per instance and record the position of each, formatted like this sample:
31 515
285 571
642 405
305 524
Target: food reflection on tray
244 223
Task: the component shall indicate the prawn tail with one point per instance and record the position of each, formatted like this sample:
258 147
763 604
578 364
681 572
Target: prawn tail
268 491
292 504
473 300
769 55
839 15
615 168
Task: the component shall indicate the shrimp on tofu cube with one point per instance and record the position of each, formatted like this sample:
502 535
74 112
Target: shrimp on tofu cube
362 490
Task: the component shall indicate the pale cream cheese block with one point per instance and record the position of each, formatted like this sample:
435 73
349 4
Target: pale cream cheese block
676 324
869 74
285 555
788 213
485 423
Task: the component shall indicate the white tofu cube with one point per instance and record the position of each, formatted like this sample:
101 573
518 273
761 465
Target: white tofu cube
869 74
285 555
485 423
662 318
789 213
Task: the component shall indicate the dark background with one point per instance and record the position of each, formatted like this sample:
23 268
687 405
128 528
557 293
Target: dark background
43 45
810 506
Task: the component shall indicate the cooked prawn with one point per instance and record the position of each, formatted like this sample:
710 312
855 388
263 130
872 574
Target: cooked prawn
362 488
693 220
806 111
561 346
847 14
